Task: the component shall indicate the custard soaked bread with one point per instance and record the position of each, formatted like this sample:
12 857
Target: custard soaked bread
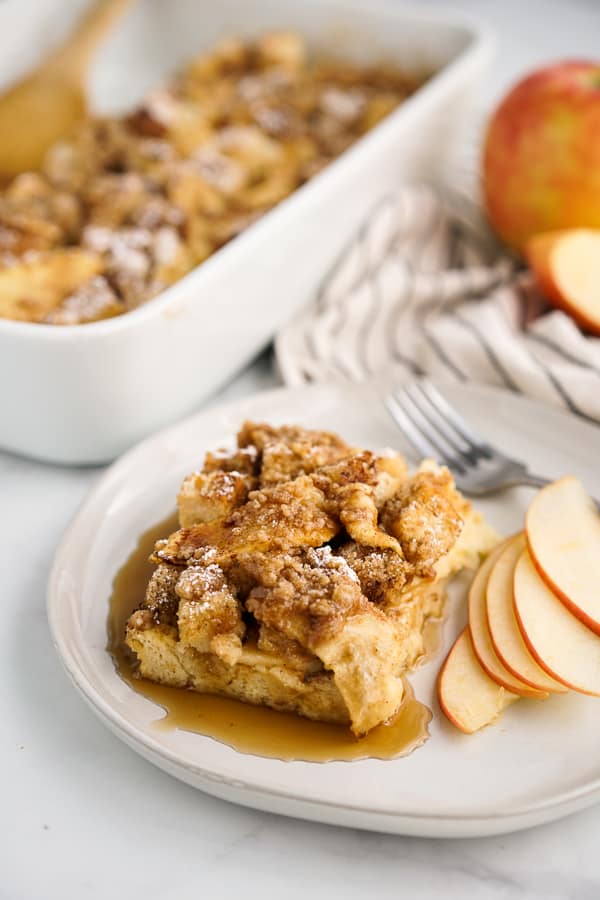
303 575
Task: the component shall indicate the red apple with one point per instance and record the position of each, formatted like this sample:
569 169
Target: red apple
541 160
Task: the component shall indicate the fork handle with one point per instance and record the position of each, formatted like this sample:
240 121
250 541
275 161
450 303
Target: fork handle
533 480
538 482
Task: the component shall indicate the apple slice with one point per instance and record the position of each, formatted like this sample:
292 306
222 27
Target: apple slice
563 536
567 267
467 695
480 633
560 643
504 629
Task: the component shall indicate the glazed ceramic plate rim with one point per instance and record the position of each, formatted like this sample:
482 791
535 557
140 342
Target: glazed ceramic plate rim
231 783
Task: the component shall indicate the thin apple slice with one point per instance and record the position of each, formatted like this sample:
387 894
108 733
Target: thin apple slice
480 633
560 643
469 698
563 536
506 636
567 267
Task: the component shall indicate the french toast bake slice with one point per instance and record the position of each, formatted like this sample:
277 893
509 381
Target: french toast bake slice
303 575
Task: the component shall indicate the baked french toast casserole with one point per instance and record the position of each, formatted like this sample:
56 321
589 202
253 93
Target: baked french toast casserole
303 575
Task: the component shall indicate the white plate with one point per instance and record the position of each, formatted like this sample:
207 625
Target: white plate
538 763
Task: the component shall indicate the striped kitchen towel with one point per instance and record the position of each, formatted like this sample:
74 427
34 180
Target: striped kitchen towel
422 288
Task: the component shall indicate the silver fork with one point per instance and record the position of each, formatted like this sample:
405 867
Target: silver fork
437 430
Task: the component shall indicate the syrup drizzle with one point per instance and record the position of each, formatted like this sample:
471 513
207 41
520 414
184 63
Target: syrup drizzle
246 728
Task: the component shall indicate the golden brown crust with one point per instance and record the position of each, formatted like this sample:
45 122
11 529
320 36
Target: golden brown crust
293 514
161 603
305 596
358 513
427 516
206 496
289 451
382 572
244 459
209 616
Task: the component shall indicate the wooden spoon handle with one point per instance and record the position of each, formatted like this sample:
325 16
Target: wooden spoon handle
90 30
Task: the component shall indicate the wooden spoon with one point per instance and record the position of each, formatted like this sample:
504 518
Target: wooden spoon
45 105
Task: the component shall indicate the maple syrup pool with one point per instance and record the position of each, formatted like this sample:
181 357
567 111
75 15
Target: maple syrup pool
248 729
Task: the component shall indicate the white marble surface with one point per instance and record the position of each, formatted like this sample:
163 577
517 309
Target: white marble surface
82 816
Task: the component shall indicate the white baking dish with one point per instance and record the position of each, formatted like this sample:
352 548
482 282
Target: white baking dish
82 394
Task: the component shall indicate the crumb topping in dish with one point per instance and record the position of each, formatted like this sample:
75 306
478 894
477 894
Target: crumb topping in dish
306 586
139 201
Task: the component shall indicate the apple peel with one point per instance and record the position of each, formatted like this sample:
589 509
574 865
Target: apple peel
567 267
560 643
562 526
480 633
506 636
469 698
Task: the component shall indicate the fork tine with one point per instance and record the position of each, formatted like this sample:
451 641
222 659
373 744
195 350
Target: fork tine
452 417
408 429
419 433
444 451
467 452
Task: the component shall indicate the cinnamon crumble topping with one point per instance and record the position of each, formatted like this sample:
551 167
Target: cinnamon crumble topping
302 575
